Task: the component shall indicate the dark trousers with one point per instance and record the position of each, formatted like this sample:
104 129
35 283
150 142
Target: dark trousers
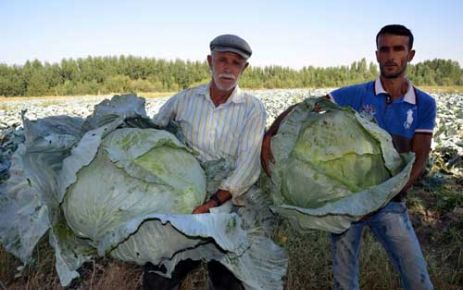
220 278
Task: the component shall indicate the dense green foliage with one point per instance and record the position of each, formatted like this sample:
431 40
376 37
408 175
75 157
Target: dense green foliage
103 75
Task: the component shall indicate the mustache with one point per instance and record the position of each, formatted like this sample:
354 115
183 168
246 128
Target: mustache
225 75
390 63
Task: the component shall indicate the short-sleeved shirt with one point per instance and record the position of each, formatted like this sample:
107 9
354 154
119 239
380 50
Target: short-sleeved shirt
402 118
232 131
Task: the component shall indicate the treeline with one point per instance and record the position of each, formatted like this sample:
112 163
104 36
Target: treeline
104 75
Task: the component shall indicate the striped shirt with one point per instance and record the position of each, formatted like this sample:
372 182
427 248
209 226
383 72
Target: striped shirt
232 131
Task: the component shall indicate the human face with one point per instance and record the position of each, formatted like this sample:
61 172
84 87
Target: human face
226 69
393 54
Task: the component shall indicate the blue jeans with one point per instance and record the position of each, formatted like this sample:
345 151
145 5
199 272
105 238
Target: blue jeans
392 228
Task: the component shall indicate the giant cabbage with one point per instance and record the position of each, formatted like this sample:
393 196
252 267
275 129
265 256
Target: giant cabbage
145 171
332 167
114 185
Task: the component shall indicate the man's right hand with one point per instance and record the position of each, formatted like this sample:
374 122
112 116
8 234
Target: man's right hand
266 155
205 207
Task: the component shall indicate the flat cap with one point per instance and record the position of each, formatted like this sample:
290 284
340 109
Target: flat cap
231 43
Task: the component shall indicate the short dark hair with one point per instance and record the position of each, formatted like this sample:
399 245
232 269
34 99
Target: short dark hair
396 29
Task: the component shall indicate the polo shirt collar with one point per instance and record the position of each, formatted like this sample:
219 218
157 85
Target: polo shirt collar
409 97
235 97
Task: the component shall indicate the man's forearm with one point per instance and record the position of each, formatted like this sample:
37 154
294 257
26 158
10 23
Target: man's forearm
221 196
276 124
421 146
417 170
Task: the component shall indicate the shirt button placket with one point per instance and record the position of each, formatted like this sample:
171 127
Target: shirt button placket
212 128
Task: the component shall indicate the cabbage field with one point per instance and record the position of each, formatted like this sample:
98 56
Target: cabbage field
435 203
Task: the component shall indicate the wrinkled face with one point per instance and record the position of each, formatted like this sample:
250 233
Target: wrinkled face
393 54
226 69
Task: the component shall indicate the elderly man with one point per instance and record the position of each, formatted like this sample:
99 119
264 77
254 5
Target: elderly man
219 121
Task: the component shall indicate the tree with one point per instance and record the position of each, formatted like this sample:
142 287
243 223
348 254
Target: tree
94 75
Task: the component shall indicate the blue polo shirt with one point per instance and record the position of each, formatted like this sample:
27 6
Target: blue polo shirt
412 113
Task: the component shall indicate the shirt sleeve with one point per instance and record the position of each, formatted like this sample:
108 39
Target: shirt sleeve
426 116
167 112
348 96
248 167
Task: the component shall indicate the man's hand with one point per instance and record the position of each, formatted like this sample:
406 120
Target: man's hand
266 155
204 208
218 198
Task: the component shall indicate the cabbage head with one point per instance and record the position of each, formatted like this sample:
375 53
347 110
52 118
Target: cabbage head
145 171
113 184
332 167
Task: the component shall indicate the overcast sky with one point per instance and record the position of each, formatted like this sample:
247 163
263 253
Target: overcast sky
289 33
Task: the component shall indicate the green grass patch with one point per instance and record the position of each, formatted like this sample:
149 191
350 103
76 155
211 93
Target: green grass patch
154 95
442 89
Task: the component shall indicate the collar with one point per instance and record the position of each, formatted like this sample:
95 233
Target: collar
236 96
409 97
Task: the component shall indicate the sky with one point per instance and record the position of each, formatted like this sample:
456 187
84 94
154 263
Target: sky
293 33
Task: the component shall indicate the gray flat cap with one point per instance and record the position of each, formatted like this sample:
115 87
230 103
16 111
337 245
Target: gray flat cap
231 43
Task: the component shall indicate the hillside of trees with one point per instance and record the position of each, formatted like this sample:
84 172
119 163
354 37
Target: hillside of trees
104 75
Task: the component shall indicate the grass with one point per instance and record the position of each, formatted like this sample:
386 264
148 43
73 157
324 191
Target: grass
102 273
442 89
33 98
149 95
154 95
